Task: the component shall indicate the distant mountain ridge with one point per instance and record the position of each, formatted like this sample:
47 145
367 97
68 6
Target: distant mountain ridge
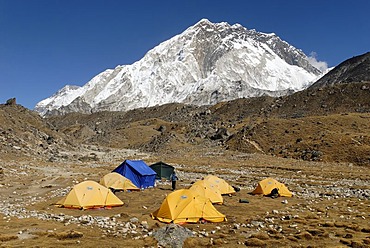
355 69
207 63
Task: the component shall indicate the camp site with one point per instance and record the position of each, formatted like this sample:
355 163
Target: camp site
184 124
126 202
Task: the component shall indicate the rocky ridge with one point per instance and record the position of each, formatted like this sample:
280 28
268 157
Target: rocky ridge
356 69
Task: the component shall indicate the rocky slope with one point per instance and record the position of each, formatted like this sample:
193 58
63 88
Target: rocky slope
356 69
23 133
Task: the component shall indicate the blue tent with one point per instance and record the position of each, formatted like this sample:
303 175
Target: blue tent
138 172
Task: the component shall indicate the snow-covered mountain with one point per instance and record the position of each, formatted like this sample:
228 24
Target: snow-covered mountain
207 63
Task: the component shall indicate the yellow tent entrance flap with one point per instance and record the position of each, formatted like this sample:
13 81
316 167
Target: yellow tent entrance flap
183 206
265 187
89 194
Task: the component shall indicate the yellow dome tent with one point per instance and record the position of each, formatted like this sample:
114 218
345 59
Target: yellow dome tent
116 181
221 184
184 206
207 190
265 187
89 194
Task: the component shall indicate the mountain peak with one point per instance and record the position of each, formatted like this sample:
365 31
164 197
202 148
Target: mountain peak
206 24
203 21
207 63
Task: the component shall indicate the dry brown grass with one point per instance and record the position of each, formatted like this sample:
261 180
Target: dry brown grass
70 234
4 238
255 242
260 235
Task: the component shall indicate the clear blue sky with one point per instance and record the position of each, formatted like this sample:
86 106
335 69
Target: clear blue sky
46 44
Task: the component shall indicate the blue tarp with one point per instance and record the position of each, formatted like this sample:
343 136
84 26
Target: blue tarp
138 172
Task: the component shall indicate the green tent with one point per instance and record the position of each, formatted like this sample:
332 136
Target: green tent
162 169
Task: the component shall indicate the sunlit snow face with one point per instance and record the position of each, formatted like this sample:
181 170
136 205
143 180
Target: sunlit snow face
206 64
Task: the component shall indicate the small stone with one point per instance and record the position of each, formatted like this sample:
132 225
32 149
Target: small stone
236 226
134 220
144 224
